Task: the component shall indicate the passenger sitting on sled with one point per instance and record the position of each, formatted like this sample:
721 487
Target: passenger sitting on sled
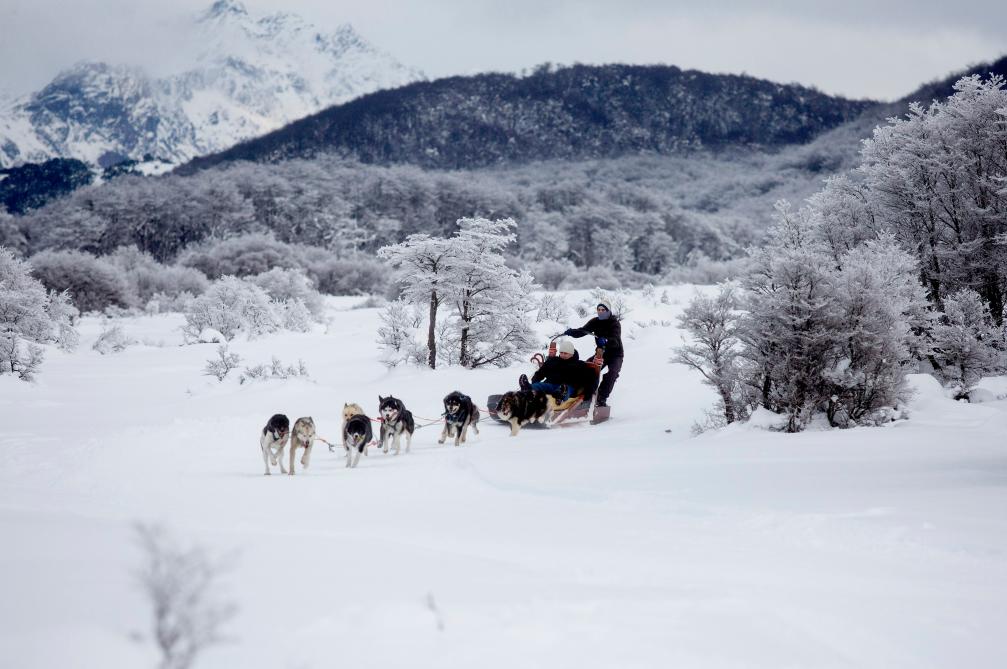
563 375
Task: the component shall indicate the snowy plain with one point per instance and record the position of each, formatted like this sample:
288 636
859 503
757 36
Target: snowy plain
627 544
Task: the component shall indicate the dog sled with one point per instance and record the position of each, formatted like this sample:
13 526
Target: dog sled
572 411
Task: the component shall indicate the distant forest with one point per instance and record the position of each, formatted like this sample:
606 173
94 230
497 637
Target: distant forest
633 215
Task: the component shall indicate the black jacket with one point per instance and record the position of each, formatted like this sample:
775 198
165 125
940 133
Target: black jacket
573 372
609 328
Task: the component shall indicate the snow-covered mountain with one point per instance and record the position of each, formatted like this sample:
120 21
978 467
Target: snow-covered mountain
248 75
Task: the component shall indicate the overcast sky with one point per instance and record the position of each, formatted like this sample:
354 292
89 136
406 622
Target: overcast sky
856 48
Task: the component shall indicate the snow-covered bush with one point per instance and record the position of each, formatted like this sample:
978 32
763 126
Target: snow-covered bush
232 305
552 273
284 285
552 307
294 315
963 341
182 586
274 370
222 365
353 275
150 280
20 357
881 308
112 339
595 277
712 324
94 284
397 335
29 315
247 255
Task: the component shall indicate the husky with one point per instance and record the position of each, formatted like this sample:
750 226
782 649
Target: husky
303 436
349 411
521 407
395 420
357 435
459 415
273 440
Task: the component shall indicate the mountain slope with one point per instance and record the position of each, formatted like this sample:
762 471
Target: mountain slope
574 113
248 76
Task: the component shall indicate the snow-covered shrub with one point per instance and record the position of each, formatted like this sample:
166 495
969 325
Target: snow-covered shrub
354 275
712 324
274 370
963 341
182 586
163 303
247 255
295 315
20 357
880 308
112 339
290 284
552 307
595 277
94 284
552 273
222 365
29 315
232 305
397 333
151 280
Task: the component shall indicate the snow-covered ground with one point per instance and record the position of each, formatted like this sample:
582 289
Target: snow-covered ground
627 544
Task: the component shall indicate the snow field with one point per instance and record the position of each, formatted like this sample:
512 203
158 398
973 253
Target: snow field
620 544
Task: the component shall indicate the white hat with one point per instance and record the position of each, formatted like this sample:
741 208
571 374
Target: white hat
565 346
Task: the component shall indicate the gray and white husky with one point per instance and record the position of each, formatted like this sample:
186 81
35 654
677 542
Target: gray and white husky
302 436
396 420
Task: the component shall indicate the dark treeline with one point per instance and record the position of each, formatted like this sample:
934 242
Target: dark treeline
571 113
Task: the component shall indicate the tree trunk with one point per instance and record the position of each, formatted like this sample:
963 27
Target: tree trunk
463 353
432 332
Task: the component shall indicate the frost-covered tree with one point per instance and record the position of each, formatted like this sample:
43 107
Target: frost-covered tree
935 178
964 341
425 263
712 325
790 328
491 300
882 317
29 316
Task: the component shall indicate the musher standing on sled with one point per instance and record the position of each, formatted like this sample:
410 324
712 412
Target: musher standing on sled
607 333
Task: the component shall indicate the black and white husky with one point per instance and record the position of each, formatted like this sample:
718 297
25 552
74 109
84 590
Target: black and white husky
356 435
302 436
396 420
459 415
521 407
273 440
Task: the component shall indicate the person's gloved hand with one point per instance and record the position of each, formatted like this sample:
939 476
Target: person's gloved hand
568 332
600 341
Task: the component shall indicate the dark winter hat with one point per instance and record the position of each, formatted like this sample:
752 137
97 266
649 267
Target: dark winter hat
602 305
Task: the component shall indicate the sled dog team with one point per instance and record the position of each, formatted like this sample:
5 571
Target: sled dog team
396 422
